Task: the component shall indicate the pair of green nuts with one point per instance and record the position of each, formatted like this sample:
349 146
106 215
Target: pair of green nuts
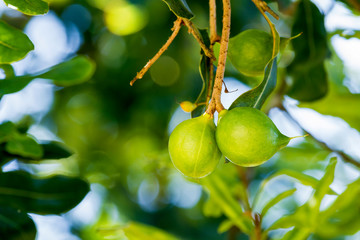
245 136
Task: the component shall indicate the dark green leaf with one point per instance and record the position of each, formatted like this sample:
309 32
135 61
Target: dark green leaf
52 195
309 79
7 130
180 8
72 72
220 193
16 225
29 7
276 200
204 69
55 150
24 146
308 82
14 44
256 97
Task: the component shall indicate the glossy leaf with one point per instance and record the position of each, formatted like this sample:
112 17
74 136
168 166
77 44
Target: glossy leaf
53 195
204 70
220 193
72 72
180 8
14 44
309 79
24 146
276 200
16 225
256 97
33 7
55 150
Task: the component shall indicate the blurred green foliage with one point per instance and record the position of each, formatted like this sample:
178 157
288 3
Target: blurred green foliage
119 134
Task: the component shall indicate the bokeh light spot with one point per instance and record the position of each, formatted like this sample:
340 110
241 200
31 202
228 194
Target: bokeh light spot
123 18
165 72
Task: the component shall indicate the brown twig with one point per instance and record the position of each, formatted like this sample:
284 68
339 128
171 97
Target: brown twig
214 37
263 5
355 4
215 103
175 29
193 30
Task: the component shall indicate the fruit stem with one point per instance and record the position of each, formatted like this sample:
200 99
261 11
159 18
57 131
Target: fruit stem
175 29
299 136
215 103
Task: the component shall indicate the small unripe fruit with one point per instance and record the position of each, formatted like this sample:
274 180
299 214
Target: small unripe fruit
250 51
248 137
192 147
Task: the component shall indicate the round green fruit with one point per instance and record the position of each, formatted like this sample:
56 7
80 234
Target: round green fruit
192 147
247 137
250 51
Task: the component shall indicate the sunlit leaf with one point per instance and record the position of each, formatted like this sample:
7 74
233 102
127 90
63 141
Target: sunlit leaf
180 8
14 44
24 146
16 225
276 200
297 234
53 195
33 7
256 97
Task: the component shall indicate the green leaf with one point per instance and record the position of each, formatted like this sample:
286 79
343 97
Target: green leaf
276 200
14 44
256 97
342 217
16 225
8 70
302 178
299 219
180 8
323 186
225 226
24 146
7 130
32 7
297 234
75 71
220 193
307 71
53 195
55 150
204 69
309 82
338 105
135 230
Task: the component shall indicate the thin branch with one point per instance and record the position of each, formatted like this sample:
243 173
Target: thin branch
214 37
193 30
343 155
215 103
262 6
175 29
